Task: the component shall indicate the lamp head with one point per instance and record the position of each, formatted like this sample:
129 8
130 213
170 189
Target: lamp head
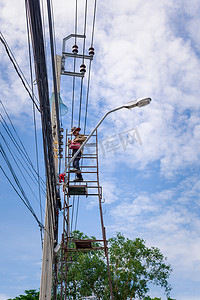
140 102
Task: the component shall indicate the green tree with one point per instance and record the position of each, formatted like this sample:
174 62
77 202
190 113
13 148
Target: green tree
149 298
133 267
30 295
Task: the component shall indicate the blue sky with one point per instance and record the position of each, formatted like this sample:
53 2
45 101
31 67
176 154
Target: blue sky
151 188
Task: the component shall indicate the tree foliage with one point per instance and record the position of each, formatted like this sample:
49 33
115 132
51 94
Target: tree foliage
30 295
133 267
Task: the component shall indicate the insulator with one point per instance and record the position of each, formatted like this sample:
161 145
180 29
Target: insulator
61 136
61 129
61 142
61 150
75 49
83 68
61 156
91 51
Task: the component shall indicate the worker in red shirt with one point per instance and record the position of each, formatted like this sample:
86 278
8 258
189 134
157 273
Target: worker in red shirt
75 145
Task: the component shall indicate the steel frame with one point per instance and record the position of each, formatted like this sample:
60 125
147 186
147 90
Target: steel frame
66 238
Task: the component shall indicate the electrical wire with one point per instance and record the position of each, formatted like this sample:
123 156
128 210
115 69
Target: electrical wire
81 96
56 67
84 39
34 15
43 28
18 70
20 141
87 93
29 168
74 78
53 50
73 92
75 210
53 68
40 224
35 130
19 169
24 198
53 27
93 23
90 63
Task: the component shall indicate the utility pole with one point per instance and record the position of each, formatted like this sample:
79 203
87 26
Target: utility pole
49 257
51 142
50 230
54 123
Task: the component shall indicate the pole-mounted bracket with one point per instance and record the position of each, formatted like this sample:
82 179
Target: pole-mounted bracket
75 55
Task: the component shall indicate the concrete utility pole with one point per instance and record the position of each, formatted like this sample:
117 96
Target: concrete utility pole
49 244
53 113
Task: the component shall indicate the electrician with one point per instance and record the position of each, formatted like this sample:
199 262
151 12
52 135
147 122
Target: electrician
75 145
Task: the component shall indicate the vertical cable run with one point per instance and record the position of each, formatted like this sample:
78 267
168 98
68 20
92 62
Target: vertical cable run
89 72
81 93
35 129
74 78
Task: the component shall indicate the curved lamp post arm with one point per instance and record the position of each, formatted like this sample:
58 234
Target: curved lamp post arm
89 136
139 103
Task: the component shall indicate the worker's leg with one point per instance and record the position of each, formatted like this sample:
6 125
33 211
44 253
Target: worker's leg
76 164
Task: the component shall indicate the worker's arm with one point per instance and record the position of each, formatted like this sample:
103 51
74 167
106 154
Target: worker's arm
80 138
69 142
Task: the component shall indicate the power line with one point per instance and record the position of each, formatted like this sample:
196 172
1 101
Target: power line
18 70
35 22
81 96
8 147
94 20
53 28
24 198
39 223
53 67
84 39
34 119
88 85
21 153
90 63
13 127
74 78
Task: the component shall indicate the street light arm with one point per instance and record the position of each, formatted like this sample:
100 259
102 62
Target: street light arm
89 136
136 103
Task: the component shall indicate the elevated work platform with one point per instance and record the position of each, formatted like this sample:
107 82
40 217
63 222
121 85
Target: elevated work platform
85 245
77 190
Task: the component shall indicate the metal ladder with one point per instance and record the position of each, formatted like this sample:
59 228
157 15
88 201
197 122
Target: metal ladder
88 187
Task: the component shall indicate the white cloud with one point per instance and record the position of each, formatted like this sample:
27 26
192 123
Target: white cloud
3 297
147 58
142 49
142 58
167 219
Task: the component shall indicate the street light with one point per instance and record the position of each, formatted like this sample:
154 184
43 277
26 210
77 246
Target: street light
136 103
139 103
